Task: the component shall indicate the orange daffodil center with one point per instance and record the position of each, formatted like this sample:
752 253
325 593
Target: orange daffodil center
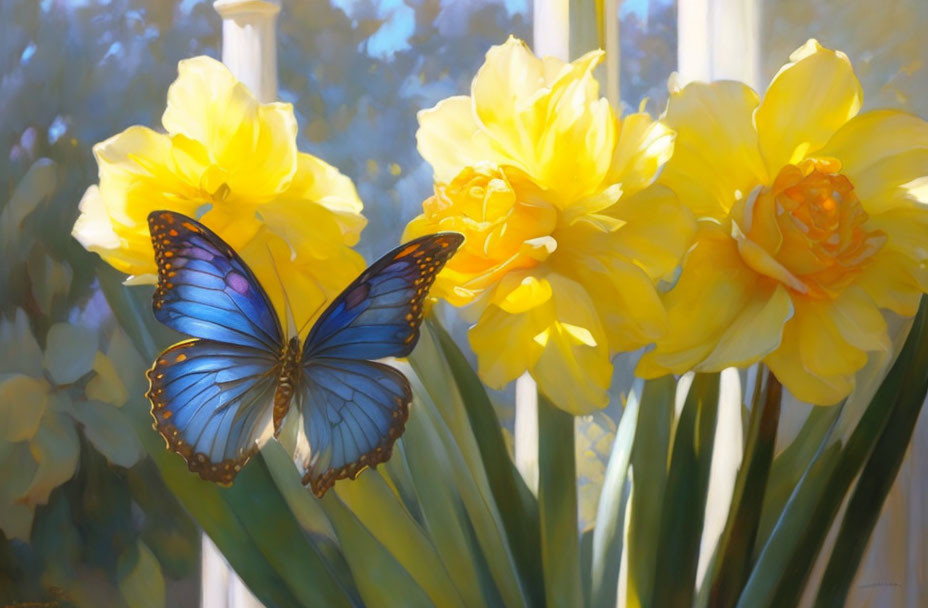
808 230
233 162
566 235
813 219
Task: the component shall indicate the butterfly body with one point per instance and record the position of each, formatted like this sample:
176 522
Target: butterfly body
214 397
288 376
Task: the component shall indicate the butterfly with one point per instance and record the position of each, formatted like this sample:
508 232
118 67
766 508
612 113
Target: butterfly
213 397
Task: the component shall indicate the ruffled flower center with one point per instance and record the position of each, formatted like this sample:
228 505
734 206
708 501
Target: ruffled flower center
505 219
807 230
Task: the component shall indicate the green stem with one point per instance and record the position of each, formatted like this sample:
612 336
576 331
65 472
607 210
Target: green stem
737 542
557 505
684 505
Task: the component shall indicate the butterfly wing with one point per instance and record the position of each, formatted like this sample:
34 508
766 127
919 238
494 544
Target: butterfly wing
379 314
204 288
212 402
354 409
211 398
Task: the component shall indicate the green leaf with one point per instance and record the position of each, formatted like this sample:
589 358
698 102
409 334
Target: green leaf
557 505
141 582
69 352
251 523
610 515
442 509
736 545
784 564
37 185
381 580
684 503
518 508
109 431
791 464
19 351
56 449
874 483
375 505
649 477
22 403
457 512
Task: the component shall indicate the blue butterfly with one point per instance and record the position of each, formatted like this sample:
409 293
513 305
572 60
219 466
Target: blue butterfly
214 396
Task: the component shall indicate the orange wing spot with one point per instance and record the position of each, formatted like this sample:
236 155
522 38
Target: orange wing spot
169 254
172 232
167 217
167 414
191 227
407 251
180 357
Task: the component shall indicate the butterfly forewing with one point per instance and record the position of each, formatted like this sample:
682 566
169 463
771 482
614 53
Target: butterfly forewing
379 314
205 290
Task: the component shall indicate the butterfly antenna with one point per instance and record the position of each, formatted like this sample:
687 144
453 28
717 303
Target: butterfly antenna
289 319
317 308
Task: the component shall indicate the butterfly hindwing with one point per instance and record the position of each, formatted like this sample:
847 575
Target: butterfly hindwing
204 288
211 402
353 412
353 408
379 314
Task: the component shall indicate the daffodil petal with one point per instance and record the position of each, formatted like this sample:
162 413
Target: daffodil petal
199 79
252 145
320 182
504 91
658 229
859 321
753 333
574 369
873 136
822 349
716 160
895 282
642 146
507 345
449 138
806 102
786 364
716 298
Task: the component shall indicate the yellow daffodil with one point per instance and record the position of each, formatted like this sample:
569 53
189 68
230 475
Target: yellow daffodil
814 220
232 162
566 236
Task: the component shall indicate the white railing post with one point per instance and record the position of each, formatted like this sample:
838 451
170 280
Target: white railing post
249 43
249 50
720 40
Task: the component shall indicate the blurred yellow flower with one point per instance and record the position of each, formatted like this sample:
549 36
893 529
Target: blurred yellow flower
566 236
814 220
232 162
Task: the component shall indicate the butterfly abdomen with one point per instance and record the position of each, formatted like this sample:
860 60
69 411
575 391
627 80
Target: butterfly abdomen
288 374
